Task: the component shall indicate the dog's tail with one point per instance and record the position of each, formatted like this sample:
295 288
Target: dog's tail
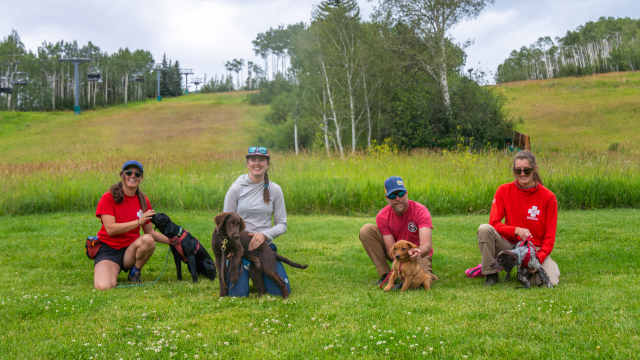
289 262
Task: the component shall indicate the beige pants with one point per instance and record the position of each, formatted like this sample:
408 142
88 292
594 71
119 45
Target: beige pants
491 243
373 244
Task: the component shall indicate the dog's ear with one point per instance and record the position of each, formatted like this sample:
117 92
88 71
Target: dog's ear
242 225
411 245
221 221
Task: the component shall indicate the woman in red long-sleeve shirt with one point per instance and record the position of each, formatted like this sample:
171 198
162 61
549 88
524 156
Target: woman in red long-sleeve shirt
529 210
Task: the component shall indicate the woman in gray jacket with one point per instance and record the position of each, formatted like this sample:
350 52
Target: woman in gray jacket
260 204
257 200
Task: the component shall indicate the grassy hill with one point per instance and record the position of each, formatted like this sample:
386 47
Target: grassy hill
587 114
192 149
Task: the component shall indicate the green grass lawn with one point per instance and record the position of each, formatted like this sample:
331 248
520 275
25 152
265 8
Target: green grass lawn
50 310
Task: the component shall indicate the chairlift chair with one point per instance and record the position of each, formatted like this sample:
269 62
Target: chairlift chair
5 86
138 77
20 79
94 75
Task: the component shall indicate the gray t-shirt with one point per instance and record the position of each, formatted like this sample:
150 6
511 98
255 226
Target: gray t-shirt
245 198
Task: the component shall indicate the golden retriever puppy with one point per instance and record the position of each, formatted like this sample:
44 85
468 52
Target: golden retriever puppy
407 268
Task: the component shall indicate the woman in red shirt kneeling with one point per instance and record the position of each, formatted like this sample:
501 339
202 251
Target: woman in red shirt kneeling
530 211
123 211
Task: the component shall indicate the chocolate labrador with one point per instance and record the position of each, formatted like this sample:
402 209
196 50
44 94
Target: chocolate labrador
231 242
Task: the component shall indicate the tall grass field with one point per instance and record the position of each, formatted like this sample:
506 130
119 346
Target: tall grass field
55 166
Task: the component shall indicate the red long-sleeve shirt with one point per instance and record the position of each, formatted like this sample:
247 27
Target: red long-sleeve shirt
535 209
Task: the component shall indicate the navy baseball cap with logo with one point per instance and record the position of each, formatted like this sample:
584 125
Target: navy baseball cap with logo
394 183
131 163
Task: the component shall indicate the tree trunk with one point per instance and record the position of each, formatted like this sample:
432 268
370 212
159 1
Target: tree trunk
444 84
10 77
53 91
126 87
333 110
325 123
352 114
366 104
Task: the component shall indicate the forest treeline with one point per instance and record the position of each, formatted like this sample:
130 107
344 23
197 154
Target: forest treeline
340 84
607 45
41 81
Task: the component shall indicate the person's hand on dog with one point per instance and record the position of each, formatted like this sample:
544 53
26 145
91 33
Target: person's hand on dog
256 240
146 216
523 233
415 252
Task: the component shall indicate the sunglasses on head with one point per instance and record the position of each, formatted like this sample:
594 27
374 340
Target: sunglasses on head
134 173
258 150
519 171
396 194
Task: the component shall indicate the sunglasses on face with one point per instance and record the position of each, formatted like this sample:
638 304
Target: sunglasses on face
396 194
519 171
258 150
134 173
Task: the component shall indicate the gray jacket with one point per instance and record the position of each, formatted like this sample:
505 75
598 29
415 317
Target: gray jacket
246 199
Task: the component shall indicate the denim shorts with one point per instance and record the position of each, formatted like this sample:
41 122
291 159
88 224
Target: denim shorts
106 252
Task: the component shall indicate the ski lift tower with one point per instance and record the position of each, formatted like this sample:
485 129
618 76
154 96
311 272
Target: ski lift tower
158 71
76 80
186 73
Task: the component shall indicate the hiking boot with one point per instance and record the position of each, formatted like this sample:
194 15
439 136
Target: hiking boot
382 279
491 279
134 274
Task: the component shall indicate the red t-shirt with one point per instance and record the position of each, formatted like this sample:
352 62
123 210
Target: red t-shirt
128 210
405 227
535 208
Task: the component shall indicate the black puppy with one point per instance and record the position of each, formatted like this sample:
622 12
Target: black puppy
185 247
230 241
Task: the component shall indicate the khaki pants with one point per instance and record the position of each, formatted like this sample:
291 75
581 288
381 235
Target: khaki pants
373 244
491 243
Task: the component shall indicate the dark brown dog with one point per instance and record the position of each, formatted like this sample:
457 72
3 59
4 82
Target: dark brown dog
230 241
407 269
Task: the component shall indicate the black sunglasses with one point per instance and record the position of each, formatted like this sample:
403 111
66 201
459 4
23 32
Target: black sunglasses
134 173
396 194
519 171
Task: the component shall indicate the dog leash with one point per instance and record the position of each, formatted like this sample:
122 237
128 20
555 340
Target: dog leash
166 260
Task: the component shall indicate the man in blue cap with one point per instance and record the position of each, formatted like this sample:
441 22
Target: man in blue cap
401 219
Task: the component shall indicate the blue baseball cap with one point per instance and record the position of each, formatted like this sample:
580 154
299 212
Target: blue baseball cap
132 163
393 183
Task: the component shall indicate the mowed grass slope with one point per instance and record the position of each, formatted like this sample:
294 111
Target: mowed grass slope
184 130
578 114
50 311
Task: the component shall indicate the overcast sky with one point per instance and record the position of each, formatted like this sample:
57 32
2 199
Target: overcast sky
203 34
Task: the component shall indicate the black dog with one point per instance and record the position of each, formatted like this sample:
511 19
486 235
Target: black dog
230 241
185 247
